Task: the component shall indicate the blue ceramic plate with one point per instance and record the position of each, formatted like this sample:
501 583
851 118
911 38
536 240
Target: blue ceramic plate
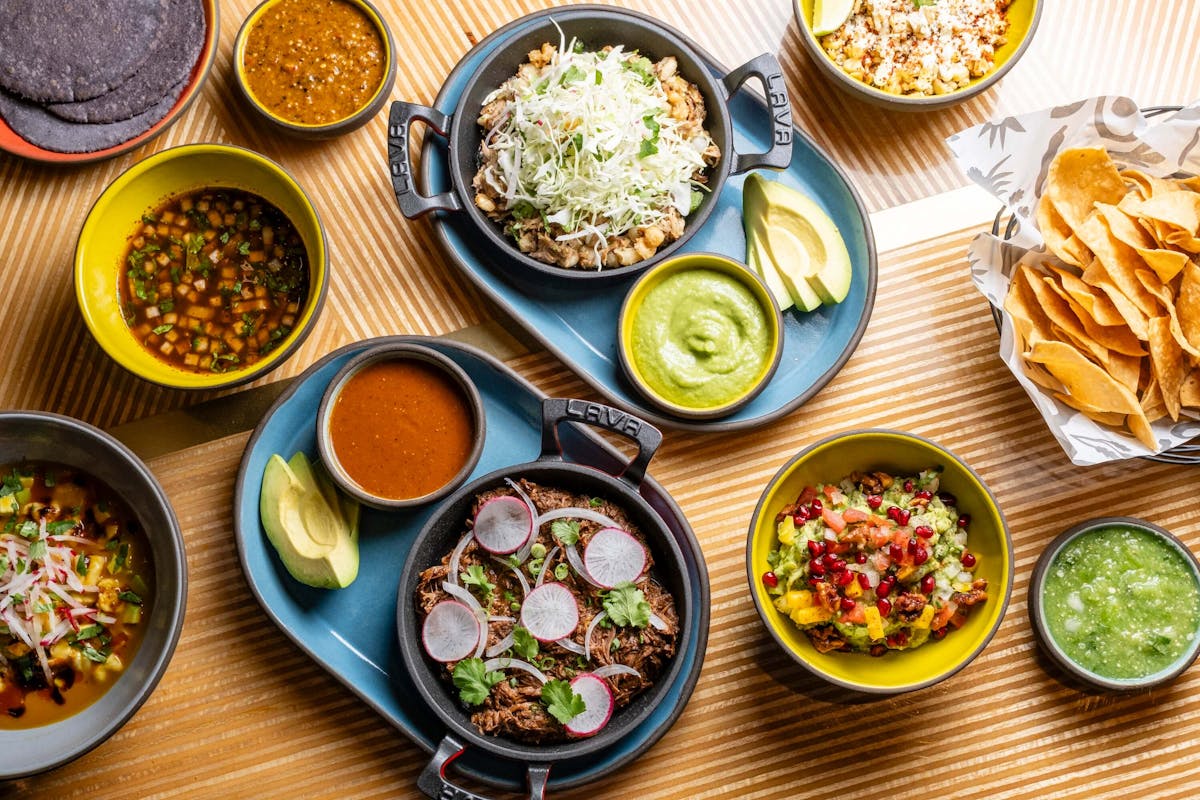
580 325
352 632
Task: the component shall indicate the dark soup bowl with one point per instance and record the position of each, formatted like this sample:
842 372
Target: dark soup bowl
452 532
595 27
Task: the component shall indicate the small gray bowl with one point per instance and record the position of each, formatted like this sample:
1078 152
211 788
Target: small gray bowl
38 436
1051 648
390 352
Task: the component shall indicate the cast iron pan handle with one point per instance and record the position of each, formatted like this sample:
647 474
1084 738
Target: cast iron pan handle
556 410
766 68
433 782
412 203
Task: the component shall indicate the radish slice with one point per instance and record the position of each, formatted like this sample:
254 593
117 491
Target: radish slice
481 616
608 670
657 622
598 705
451 631
613 556
456 556
572 645
587 637
545 566
514 663
521 579
550 612
577 563
500 646
575 513
503 525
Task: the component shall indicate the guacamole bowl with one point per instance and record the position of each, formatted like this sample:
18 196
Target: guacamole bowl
118 216
1115 603
1023 17
896 453
699 335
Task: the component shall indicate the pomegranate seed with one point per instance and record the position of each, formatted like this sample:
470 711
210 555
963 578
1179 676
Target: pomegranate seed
860 557
864 581
815 548
924 494
964 521
815 582
837 565
893 512
921 555
874 500
816 506
912 545
799 518
891 640
844 578
908 486
940 633
968 560
847 604
902 637
927 584
885 587
770 579
902 516
884 606
924 531
817 568
895 552
947 498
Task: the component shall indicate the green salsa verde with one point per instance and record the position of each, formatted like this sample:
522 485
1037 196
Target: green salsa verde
1122 603
700 339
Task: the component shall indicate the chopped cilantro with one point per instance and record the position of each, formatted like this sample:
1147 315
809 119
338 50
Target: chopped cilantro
561 701
626 605
130 597
244 248
474 681
566 531
524 644
62 527
37 550
475 576
161 329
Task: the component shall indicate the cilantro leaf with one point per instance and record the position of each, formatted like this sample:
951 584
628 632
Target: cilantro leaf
474 576
130 597
595 502
28 530
61 527
566 531
572 74
626 605
473 680
524 644
37 550
561 701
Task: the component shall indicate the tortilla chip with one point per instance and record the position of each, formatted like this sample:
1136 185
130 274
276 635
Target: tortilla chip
1152 401
1119 261
1127 370
1022 304
1103 417
1130 313
1085 381
1080 177
1166 357
1189 393
1148 185
1165 263
1180 210
1139 426
1123 226
1117 338
1062 318
1187 305
1058 236
1093 300
1184 240
1167 299
1038 374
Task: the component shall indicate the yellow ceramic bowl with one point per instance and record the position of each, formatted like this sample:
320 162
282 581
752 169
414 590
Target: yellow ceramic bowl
685 263
325 130
830 460
1023 17
148 184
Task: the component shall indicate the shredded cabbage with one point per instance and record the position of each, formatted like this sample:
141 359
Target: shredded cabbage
588 142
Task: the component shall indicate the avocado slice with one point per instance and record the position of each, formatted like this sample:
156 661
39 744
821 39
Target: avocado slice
762 266
316 541
800 240
788 265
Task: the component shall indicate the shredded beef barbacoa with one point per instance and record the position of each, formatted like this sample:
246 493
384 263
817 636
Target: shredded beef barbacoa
514 707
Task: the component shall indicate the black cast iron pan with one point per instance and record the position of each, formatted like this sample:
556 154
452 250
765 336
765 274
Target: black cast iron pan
595 27
443 530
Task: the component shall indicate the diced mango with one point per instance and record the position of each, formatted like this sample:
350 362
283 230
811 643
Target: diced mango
787 531
926 617
853 589
810 616
905 572
874 622
801 598
781 603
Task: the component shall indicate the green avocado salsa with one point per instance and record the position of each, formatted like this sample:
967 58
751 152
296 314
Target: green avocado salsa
700 339
1121 602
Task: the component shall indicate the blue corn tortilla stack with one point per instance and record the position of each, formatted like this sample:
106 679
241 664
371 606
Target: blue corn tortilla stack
38 126
170 62
58 51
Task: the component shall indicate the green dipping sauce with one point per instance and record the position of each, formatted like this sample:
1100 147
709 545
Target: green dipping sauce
1121 602
700 339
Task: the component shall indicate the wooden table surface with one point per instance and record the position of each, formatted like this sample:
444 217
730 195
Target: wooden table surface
242 713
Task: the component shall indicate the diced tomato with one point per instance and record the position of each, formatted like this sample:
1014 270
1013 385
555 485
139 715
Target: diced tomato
854 515
943 615
834 520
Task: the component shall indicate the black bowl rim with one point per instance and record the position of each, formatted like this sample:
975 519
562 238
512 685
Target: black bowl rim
174 538
412 653
746 275
1037 620
399 352
243 377
905 103
718 116
327 130
762 613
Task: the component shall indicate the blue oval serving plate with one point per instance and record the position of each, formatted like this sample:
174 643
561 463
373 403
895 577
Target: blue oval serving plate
351 632
580 325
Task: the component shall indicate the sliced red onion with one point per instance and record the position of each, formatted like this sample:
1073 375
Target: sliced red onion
516 570
587 637
523 553
514 663
502 645
572 645
545 566
589 514
495 618
657 622
577 564
608 670
456 556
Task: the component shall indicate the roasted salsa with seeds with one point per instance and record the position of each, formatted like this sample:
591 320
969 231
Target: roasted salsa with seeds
874 563
75 590
214 280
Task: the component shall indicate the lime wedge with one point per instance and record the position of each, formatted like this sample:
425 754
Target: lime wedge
829 15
